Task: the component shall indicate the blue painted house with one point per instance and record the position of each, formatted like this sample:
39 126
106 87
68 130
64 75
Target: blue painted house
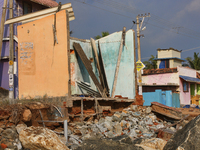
20 7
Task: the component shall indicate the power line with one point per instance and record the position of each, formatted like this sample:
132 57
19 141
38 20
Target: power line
162 21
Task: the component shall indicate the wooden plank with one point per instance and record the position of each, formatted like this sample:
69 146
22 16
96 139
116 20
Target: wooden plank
118 63
103 99
68 55
81 110
39 13
88 66
2 25
97 60
105 82
71 16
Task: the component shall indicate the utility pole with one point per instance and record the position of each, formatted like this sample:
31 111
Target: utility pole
2 24
139 52
11 56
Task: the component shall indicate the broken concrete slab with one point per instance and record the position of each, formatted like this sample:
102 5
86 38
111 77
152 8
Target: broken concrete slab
40 138
186 138
152 144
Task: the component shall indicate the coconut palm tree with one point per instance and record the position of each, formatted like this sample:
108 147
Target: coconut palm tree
194 63
151 63
103 34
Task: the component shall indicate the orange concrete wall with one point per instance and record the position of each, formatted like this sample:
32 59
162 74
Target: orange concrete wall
43 67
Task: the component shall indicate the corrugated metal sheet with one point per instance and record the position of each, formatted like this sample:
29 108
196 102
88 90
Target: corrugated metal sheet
190 79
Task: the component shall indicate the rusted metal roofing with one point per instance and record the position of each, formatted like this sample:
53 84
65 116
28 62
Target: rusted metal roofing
159 71
48 3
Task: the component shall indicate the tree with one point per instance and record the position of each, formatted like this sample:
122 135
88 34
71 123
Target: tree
151 63
103 34
194 63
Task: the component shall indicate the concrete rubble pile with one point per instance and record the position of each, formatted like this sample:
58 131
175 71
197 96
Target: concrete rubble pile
135 127
135 122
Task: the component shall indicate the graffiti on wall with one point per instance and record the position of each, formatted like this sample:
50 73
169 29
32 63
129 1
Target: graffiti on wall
27 57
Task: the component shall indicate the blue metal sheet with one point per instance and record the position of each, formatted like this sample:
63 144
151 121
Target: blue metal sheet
190 79
169 58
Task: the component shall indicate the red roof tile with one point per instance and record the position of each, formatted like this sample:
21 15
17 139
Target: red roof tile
158 71
48 3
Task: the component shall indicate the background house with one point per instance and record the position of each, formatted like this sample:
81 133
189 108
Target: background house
20 7
171 76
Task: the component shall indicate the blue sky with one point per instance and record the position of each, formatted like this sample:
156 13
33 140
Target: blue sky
172 23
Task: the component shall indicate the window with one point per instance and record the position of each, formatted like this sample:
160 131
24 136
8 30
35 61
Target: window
164 64
185 86
167 63
27 8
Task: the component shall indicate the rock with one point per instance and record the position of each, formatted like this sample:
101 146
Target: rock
132 134
123 123
117 129
27 115
1 130
108 125
123 139
148 121
105 144
186 138
109 134
40 138
148 110
136 114
87 136
9 134
152 144
107 118
134 107
117 117
101 120
20 127
153 117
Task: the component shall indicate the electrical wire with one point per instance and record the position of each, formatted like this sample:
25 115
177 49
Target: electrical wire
161 21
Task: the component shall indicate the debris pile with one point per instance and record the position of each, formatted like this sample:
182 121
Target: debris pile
136 122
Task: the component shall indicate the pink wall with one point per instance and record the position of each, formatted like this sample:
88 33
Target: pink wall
184 71
184 96
161 79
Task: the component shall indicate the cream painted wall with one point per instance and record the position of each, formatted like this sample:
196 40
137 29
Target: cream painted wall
168 53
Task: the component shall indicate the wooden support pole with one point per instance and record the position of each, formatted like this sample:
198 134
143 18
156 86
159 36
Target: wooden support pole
96 108
11 56
68 55
81 109
118 62
2 25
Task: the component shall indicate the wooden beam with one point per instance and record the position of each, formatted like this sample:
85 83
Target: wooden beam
105 82
71 16
97 60
118 63
68 55
2 25
40 13
88 66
